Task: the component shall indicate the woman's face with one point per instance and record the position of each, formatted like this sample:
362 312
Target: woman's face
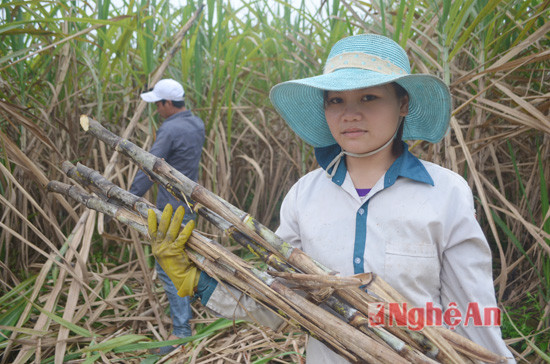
363 120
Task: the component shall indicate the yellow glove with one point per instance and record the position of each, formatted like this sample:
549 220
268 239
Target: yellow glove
168 248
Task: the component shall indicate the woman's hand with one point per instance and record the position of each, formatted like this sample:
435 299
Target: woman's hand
168 244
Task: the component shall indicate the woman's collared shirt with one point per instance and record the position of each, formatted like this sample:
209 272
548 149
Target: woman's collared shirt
416 229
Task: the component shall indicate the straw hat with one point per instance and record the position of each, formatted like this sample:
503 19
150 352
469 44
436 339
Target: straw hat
357 62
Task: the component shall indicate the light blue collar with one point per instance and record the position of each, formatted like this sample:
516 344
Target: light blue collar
406 165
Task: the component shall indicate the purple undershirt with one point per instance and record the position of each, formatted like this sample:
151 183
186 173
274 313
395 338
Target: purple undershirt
362 191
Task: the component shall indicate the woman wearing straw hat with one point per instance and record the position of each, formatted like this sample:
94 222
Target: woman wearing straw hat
373 206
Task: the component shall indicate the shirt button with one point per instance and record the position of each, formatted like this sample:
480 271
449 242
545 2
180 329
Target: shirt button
361 211
357 260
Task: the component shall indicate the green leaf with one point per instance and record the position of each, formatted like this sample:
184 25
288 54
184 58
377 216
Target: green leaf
92 359
269 358
16 292
114 343
213 328
486 11
74 328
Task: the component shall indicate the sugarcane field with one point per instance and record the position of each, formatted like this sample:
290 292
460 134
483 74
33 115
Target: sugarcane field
176 175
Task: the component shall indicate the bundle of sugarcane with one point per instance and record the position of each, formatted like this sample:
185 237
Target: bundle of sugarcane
350 334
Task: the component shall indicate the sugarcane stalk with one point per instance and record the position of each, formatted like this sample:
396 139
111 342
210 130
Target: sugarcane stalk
89 177
212 269
174 181
334 325
306 313
184 188
96 203
101 185
429 341
358 320
357 298
316 281
462 344
432 342
311 317
138 224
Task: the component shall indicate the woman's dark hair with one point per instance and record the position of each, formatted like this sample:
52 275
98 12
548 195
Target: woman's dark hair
397 146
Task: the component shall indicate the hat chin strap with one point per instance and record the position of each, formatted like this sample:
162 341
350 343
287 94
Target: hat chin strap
336 161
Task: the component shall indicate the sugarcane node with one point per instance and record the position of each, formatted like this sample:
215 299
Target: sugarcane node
67 166
144 201
358 319
319 296
55 186
231 230
160 165
365 278
198 207
277 262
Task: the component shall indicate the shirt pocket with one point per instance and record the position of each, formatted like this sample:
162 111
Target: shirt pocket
422 250
413 269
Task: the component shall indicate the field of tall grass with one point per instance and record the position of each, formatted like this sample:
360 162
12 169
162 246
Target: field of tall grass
75 288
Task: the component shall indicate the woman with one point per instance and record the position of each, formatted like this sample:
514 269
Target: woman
373 206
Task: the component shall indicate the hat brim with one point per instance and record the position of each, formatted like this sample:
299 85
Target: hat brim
300 103
150 97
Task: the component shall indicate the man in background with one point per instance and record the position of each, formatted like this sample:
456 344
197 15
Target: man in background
179 141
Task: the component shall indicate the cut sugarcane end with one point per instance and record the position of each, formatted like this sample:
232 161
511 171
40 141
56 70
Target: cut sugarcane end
84 122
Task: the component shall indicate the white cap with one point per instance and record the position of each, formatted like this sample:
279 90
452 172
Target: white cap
166 89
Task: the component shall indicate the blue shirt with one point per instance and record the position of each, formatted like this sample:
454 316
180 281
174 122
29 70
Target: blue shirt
179 142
